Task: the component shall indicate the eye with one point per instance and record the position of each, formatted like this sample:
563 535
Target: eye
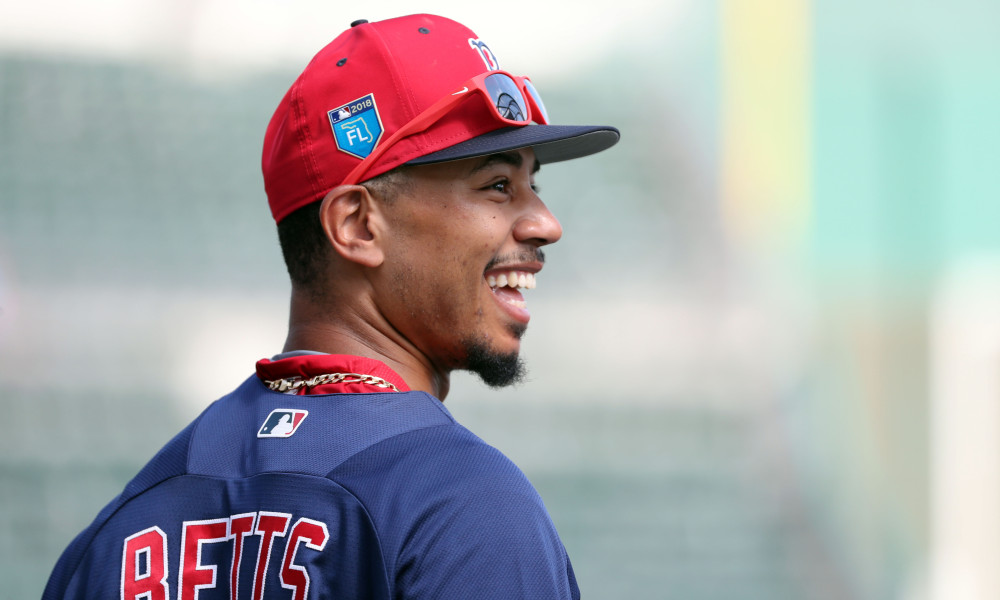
500 185
505 186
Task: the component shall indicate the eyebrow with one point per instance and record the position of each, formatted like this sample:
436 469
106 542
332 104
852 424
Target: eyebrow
509 158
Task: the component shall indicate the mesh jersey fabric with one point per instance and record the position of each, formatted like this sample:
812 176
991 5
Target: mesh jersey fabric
380 495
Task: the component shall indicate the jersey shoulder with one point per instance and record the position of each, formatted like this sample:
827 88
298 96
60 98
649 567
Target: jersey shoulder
457 518
168 463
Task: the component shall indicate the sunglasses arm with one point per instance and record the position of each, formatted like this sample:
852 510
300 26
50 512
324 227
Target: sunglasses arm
418 124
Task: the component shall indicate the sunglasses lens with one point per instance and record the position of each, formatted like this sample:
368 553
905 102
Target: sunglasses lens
507 98
537 98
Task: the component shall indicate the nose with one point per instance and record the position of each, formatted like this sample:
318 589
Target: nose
537 226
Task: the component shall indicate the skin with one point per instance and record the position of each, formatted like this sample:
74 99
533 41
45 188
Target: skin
410 274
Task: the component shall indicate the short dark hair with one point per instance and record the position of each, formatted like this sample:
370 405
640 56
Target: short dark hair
303 242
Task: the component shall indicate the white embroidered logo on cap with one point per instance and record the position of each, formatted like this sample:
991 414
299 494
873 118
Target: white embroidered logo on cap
485 53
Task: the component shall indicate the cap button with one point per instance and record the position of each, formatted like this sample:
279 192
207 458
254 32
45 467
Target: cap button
359 22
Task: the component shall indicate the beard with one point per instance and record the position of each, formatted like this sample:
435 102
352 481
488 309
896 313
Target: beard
498 369
495 369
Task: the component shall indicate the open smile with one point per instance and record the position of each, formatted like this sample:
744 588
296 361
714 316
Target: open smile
506 287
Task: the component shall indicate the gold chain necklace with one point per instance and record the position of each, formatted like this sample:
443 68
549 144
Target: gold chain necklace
294 383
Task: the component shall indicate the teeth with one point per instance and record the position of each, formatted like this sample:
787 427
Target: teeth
514 279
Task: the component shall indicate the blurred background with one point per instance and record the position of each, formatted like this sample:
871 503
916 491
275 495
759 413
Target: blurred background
765 358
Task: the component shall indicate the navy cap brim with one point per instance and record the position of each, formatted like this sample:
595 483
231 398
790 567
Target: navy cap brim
551 143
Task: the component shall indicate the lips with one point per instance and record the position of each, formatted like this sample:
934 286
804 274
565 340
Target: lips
506 287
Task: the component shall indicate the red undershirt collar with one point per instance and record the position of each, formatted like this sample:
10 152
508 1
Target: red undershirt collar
306 366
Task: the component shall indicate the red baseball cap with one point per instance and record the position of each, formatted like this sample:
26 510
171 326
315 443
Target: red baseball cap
373 79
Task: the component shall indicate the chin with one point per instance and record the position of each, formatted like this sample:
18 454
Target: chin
495 367
517 330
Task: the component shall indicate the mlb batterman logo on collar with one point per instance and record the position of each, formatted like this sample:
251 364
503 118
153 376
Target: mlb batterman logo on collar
411 90
282 422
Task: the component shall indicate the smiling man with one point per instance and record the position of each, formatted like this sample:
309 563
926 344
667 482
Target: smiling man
400 170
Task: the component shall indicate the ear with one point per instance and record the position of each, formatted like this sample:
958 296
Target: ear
352 222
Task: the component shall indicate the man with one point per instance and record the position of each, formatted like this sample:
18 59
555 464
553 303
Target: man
400 169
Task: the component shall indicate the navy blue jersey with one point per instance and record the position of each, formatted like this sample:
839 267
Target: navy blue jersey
266 495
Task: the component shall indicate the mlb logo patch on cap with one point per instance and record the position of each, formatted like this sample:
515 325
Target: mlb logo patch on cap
282 422
357 126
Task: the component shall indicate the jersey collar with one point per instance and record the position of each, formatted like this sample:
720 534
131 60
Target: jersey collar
307 365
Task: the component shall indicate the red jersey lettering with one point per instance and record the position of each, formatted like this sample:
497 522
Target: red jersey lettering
195 576
145 576
144 566
269 526
295 577
240 526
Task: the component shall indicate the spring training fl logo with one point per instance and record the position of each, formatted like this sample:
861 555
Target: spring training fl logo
357 126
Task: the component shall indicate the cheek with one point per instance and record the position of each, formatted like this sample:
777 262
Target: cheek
455 257
434 289
445 253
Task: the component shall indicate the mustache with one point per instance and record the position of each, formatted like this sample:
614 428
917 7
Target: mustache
521 256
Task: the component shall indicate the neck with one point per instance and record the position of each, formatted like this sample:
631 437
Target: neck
332 331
